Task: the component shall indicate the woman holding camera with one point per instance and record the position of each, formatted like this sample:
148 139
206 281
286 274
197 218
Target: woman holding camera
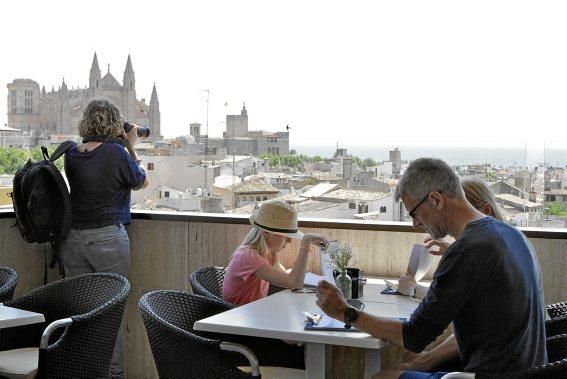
101 176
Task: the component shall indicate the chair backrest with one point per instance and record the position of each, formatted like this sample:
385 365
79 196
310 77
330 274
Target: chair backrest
8 282
557 309
556 326
95 303
208 282
556 347
177 349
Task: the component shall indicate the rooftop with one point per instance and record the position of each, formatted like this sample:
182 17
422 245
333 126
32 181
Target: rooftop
345 194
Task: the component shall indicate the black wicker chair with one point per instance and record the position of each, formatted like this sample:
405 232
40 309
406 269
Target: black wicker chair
557 309
556 326
178 350
208 281
8 281
556 368
82 314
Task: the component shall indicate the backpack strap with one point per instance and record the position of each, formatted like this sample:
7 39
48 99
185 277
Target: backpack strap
105 139
61 149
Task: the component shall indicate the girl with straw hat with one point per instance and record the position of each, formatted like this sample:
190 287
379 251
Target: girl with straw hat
255 263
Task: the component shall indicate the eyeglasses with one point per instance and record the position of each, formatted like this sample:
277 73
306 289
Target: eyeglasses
412 212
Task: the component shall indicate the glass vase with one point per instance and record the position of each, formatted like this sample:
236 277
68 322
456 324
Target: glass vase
344 283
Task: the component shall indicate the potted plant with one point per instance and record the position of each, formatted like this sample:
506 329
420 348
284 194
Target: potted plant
340 256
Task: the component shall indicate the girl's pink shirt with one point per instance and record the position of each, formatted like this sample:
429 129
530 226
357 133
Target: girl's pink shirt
240 285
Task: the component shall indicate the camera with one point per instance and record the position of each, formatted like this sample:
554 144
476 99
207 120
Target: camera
142 131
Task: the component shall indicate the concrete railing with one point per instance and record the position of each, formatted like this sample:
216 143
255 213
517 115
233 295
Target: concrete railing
168 247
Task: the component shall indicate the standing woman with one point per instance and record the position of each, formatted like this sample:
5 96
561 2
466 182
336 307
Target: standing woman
255 263
101 176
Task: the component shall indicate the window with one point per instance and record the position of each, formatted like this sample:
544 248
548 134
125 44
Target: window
351 205
150 166
166 194
257 198
265 198
382 209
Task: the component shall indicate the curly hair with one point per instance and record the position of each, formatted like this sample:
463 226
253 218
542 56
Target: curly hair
101 118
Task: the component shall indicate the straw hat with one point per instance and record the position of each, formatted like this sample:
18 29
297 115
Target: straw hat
277 217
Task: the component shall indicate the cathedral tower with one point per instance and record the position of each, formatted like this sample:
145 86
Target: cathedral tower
129 79
94 77
154 116
130 108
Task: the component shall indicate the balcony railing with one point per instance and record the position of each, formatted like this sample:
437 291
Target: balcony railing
167 247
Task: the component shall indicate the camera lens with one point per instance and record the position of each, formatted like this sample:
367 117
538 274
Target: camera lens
142 131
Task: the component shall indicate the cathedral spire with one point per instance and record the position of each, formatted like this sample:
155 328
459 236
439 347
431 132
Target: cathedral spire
129 79
244 112
154 99
154 114
94 77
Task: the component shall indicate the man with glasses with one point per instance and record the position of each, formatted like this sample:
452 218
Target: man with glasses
486 282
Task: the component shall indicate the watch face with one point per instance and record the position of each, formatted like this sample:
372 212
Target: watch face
350 315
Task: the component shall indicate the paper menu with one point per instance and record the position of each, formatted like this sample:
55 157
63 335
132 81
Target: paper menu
312 279
325 261
420 262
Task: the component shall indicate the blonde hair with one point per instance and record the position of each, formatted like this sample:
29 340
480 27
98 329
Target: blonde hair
479 195
101 118
256 241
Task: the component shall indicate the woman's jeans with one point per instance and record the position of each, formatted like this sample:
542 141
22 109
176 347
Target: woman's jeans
104 249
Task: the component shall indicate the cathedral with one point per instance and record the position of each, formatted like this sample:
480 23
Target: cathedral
57 113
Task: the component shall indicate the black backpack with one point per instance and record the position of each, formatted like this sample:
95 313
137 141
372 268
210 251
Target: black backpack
42 203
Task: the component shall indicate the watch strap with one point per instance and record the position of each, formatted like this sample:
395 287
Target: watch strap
350 315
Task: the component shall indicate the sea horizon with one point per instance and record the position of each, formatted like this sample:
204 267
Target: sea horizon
498 156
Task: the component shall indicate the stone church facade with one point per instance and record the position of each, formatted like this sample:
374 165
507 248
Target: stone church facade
58 112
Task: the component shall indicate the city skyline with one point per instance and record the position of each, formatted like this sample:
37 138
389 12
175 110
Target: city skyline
384 74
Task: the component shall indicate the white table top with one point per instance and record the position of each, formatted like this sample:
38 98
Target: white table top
372 290
280 316
10 317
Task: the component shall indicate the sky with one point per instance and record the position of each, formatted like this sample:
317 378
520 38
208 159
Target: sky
358 72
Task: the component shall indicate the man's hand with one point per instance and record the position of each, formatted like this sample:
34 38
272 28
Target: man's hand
423 361
440 243
331 300
405 283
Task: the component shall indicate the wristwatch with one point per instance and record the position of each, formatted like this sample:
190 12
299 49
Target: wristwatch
412 290
350 315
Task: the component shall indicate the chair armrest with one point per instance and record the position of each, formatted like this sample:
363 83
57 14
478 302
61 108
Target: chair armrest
459 375
249 354
64 322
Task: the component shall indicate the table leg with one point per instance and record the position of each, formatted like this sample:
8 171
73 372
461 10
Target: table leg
318 360
372 362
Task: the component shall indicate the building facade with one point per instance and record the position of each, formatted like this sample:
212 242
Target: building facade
58 112
238 140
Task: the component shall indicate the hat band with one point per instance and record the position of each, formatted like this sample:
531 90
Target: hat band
275 229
